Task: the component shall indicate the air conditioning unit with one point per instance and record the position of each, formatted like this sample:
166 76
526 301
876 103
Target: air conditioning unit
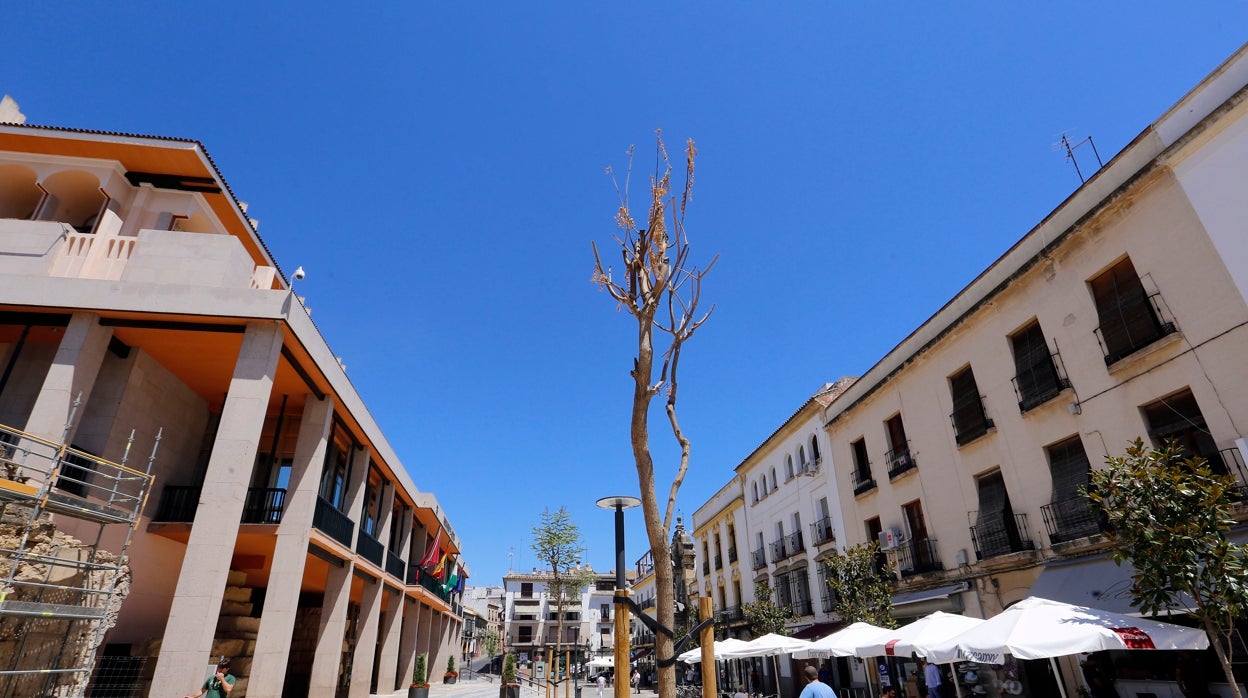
890 539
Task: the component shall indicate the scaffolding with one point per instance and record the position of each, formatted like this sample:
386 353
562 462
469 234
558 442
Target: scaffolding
59 595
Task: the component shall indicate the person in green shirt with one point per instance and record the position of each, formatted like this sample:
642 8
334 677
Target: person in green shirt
219 684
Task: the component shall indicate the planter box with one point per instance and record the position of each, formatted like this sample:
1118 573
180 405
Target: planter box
450 678
417 692
509 690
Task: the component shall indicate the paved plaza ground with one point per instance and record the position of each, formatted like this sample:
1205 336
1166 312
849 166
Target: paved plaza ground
486 686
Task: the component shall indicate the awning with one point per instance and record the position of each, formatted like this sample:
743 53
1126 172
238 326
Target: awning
1095 582
818 630
921 603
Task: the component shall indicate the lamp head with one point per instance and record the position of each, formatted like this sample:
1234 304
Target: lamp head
618 502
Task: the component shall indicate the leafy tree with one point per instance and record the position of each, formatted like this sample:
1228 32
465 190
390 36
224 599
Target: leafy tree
764 615
418 672
490 642
509 669
1169 518
557 543
659 287
861 581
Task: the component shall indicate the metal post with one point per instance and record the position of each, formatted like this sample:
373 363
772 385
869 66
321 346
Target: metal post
619 504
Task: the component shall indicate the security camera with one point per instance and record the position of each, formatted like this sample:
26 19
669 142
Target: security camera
299 274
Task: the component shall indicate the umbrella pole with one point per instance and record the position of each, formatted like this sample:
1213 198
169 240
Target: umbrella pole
775 667
1057 674
957 685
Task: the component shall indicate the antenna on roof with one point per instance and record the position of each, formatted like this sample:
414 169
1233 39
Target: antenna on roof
1065 145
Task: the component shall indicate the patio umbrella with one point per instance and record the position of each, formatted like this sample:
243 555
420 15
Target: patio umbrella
694 656
601 662
840 643
1037 628
769 645
916 637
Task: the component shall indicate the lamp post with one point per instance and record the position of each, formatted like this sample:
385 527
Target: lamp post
619 504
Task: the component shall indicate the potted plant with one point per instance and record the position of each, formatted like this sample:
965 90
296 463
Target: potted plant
510 687
451 674
419 688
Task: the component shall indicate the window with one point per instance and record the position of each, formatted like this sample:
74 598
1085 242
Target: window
799 580
1036 378
997 529
773 478
1069 514
1129 317
371 513
784 594
801 459
862 467
788 468
814 449
899 458
526 634
755 494
919 552
75 474
969 420
874 528
337 466
1178 418
526 590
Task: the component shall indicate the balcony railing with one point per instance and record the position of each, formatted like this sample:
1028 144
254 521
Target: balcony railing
793 543
863 482
918 556
1233 465
264 505
778 552
333 523
429 582
759 558
822 532
828 601
369 548
1139 320
1001 535
732 614
178 504
1041 382
395 567
899 461
802 607
970 422
719 562
1072 518
732 555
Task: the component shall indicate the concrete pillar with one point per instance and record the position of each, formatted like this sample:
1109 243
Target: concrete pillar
385 508
328 656
290 552
407 638
73 372
391 630
206 564
366 639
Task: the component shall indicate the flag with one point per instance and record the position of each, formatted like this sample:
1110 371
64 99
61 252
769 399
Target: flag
434 551
459 588
453 581
441 568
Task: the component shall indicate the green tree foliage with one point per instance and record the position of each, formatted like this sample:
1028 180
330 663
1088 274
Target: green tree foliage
1169 518
558 544
490 642
861 581
418 672
764 615
509 669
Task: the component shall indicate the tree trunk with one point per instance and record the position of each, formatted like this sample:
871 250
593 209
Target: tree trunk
1215 639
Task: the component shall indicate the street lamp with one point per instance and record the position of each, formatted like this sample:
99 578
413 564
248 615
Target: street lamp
619 504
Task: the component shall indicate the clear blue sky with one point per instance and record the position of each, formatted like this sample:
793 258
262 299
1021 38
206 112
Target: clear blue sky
437 168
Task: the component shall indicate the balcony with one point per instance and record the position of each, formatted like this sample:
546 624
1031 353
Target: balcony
732 555
178 504
970 423
793 543
732 614
1232 463
862 480
369 548
918 556
333 523
1139 319
900 461
1072 518
395 567
1041 382
706 567
802 607
778 552
1000 535
428 582
719 562
264 505
821 531
759 558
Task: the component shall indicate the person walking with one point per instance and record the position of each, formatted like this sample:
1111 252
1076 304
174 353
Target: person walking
602 684
219 684
814 687
931 676
636 681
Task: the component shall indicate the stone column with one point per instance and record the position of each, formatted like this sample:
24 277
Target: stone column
366 639
72 373
407 638
184 652
290 552
391 627
329 641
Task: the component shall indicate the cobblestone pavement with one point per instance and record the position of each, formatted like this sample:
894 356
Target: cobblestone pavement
481 686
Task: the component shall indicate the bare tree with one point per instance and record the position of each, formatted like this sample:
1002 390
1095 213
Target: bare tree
660 289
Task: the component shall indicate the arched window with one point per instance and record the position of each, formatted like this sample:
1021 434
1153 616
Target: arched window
801 458
773 478
73 197
19 194
788 468
814 448
755 493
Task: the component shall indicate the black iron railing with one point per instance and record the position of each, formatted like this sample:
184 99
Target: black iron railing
828 601
970 422
1138 320
778 551
862 480
793 543
1040 383
732 614
1072 518
1000 535
732 555
178 504
899 461
802 607
333 523
759 558
264 505
369 548
395 567
822 532
719 562
918 556
706 567
1232 463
